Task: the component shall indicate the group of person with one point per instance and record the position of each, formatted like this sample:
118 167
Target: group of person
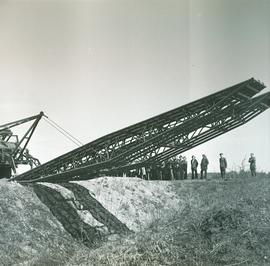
176 168
223 165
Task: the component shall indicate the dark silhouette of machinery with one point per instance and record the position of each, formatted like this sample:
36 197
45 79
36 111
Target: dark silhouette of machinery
13 151
158 138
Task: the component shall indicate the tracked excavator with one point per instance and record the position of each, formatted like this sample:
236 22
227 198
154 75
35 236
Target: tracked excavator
148 142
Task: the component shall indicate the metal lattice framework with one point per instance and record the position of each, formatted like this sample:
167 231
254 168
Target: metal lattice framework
158 138
14 149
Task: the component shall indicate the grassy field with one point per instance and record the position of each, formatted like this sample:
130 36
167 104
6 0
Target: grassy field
218 223
222 223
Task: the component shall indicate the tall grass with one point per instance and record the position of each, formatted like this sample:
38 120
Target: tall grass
222 223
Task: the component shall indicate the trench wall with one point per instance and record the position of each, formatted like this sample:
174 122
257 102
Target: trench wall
67 213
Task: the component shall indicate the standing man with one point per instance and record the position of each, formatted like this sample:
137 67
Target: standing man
180 160
194 164
252 164
159 171
222 165
167 173
148 170
184 165
163 170
177 170
170 162
154 172
204 166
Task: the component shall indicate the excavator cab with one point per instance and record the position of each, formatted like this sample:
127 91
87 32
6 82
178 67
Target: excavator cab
13 151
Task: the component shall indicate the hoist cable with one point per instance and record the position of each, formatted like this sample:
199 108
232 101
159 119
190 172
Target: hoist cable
63 133
77 140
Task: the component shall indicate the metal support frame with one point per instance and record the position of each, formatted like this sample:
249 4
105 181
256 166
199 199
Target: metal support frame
18 152
160 137
18 155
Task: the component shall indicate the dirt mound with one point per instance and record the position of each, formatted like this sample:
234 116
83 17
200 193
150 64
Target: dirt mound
135 202
38 222
29 232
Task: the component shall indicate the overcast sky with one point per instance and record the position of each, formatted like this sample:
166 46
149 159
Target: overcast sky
98 66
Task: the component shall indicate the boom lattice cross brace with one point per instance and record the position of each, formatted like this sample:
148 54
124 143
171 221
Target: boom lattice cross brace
160 137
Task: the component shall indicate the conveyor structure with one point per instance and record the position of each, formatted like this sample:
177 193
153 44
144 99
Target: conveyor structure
158 138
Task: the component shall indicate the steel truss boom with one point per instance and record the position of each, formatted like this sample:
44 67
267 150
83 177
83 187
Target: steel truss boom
160 137
245 113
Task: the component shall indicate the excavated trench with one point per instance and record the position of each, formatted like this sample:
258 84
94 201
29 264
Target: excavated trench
65 210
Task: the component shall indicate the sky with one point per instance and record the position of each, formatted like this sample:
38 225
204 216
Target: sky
100 65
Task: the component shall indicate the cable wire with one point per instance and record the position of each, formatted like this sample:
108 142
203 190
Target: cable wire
63 131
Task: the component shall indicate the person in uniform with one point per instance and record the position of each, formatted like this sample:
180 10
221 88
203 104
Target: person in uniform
154 171
177 170
163 170
159 171
222 165
180 162
173 164
252 164
148 170
194 164
204 166
170 163
167 175
184 167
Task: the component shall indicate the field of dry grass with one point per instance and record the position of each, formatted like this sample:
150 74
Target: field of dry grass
222 223
216 223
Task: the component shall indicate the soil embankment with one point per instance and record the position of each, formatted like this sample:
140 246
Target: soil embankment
29 231
211 222
49 222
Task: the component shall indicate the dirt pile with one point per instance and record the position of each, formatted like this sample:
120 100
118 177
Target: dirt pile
135 202
46 223
28 230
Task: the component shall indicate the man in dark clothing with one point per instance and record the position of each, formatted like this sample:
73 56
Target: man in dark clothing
180 161
222 165
184 167
159 171
163 170
170 165
174 171
252 164
204 166
154 171
148 170
177 170
167 171
194 164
